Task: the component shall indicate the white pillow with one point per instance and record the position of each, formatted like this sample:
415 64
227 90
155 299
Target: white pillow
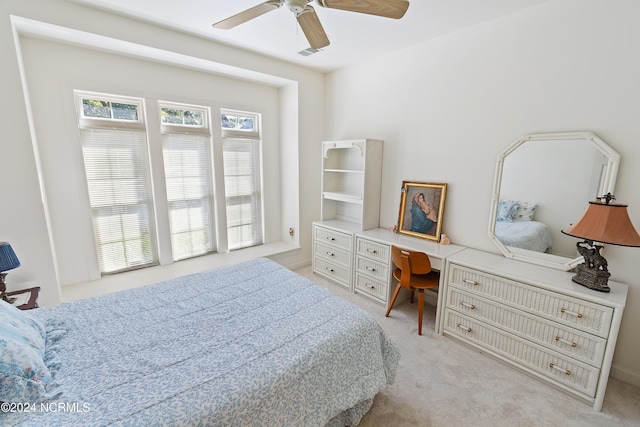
23 373
525 211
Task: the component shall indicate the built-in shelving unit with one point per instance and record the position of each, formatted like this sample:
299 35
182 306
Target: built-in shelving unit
351 181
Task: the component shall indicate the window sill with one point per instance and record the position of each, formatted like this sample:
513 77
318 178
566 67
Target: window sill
145 276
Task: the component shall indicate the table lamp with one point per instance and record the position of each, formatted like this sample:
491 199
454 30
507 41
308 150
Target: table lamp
602 222
8 261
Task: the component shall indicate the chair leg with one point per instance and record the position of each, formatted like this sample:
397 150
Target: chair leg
420 309
413 291
393 299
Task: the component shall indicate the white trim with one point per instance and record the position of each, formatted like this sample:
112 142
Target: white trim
81 38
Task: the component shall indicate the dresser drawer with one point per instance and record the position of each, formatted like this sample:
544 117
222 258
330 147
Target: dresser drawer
372 268
563 339
552 365
373 250
370 286
332 254
333 238
580 314
332 271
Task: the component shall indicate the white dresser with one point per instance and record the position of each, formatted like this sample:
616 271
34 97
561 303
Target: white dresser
533 318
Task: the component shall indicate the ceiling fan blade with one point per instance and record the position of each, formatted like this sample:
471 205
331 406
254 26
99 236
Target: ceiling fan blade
312 28
247 15
386 8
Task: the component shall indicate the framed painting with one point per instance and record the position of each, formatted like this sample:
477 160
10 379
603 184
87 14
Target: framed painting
421 209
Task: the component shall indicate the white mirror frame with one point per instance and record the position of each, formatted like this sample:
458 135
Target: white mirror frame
609 181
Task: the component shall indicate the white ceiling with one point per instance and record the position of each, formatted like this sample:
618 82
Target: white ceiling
354 36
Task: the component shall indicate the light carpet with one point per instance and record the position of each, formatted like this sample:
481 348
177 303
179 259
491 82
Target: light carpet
442 382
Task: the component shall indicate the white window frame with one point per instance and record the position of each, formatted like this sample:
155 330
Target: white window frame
104 123
201 131
254 136
138 125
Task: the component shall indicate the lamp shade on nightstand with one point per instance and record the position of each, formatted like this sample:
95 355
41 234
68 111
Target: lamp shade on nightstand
8 261
8 258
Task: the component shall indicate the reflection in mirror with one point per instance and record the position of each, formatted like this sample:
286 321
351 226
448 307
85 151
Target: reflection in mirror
542 184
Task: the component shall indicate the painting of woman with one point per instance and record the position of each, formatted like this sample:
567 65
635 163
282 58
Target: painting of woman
420 217
423 216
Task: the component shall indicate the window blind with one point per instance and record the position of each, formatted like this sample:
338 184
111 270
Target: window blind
118 180
187 166
243 192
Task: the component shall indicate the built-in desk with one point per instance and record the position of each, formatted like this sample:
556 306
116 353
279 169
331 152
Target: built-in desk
361 260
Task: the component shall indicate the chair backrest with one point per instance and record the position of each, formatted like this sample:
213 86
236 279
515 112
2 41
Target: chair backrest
410 262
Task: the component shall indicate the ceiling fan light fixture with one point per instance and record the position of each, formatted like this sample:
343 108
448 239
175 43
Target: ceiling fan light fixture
297 6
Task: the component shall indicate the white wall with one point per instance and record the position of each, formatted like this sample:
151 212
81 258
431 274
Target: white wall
31 147
54 70
447 107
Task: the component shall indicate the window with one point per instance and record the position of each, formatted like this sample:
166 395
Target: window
186 147
118 147
240 124
117 170
242 159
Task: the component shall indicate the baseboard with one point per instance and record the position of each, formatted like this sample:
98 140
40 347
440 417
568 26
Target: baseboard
289 263
626 376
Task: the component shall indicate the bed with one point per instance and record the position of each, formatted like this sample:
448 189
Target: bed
530 235
252 344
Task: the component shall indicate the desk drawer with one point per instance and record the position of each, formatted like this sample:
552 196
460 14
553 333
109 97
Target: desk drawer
370 286
580 314
563 339
373 250
332 254
333 238
332 271
552 365
372 268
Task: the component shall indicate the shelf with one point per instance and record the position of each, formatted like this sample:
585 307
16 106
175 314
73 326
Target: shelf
344 170
342 196
351 181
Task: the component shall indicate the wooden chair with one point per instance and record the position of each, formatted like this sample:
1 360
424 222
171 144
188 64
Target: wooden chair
413 271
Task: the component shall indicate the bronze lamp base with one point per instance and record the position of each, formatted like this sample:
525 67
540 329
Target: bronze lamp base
592 278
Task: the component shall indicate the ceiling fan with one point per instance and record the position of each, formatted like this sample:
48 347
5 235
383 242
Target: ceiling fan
307 18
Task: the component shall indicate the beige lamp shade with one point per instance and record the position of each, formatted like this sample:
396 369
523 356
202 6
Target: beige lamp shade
605 223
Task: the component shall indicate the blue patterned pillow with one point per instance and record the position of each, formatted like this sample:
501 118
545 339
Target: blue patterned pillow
23 373
506 210
525 211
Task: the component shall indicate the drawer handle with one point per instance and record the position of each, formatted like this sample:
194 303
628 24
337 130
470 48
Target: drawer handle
331 238
572 344
370 268
372 251
466 304
571 313
466 328
331 254
329 269
470 282
369 286
557 368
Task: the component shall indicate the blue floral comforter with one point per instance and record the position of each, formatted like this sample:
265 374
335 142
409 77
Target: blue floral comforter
252 344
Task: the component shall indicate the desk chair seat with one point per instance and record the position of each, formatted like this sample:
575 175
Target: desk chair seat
413 271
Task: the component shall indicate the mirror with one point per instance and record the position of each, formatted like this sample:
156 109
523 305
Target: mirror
543 183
